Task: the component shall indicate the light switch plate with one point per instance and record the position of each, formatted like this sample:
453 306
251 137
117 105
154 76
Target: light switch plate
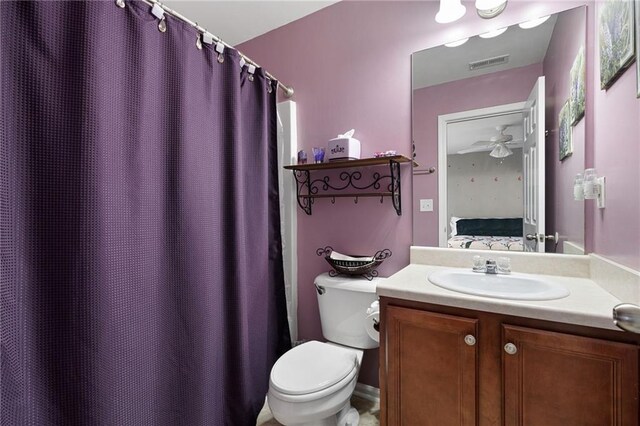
426 205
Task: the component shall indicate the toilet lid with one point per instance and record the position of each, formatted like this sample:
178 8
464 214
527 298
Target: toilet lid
311 367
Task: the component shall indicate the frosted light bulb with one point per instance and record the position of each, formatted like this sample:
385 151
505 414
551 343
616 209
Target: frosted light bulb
450 11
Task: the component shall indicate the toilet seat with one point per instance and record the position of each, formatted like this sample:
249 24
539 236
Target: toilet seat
312 367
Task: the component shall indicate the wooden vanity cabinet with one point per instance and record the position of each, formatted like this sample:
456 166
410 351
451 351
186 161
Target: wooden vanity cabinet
447 366
432 372
563 379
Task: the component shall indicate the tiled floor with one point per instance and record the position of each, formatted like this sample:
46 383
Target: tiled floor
369 413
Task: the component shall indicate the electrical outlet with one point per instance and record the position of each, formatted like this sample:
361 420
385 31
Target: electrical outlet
426 205
600 199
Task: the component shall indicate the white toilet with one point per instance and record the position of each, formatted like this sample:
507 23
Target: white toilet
312 383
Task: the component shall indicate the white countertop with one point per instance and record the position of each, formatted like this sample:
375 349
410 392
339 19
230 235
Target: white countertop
587 305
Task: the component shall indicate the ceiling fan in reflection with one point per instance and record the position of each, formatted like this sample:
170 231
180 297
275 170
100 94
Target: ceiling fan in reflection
500 145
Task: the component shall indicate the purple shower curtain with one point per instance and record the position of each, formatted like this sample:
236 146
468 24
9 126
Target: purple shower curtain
142 277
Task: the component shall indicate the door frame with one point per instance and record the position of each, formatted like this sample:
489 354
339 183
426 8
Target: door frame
443 121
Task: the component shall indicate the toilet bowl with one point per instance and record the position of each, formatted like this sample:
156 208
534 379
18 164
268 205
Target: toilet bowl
312 383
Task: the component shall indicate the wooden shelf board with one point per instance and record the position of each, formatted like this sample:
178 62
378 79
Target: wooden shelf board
364 162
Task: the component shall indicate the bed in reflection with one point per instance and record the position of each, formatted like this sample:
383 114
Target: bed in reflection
486 233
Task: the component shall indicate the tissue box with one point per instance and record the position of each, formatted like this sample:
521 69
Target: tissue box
343 149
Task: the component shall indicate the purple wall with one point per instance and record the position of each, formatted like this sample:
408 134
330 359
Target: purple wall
499 88
350 66
563 214
613 148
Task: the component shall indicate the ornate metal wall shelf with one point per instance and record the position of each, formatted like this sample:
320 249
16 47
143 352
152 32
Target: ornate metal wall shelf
378 185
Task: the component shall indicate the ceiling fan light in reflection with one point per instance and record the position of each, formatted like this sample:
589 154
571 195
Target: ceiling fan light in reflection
457 43
488 9
500 151
493 33
534 22
450 11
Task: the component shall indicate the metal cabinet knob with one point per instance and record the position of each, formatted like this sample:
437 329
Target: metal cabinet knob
627 317
510 348
469 340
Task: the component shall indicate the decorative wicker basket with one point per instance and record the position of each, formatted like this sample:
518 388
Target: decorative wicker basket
365 267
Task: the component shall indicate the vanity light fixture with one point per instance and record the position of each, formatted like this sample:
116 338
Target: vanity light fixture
488 9
457 43
534 22
578 187
500 151
493 33
450 11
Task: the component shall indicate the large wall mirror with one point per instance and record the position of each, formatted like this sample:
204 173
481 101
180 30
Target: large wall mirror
492 115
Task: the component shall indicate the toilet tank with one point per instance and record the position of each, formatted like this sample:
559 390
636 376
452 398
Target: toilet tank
343 303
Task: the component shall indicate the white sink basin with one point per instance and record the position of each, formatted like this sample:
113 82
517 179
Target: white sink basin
513 286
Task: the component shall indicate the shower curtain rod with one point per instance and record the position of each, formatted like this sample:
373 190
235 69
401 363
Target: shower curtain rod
286 90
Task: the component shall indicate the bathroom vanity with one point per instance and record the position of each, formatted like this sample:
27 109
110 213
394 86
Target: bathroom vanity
449 358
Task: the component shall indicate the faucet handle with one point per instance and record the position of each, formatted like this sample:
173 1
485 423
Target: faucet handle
504 265
478 264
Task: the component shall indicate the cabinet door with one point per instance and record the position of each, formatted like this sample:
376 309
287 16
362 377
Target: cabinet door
561 379
431 370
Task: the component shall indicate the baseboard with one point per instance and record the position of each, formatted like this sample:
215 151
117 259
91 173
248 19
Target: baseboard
367 392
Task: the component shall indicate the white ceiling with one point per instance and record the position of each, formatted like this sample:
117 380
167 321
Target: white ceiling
463 134
238 21
444 64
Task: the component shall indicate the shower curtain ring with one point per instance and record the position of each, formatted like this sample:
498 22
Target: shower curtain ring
199 37
355 199
162 25
333 200
120 3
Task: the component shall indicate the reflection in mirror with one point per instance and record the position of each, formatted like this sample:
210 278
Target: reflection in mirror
487 114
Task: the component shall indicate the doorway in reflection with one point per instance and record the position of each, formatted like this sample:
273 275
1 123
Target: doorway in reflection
484 182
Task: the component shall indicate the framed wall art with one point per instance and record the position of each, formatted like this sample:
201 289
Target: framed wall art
578 81
615 39
637 9
564 131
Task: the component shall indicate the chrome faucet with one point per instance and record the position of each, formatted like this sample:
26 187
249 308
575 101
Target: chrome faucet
490 267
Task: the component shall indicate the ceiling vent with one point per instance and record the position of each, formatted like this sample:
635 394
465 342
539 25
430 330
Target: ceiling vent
490 62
